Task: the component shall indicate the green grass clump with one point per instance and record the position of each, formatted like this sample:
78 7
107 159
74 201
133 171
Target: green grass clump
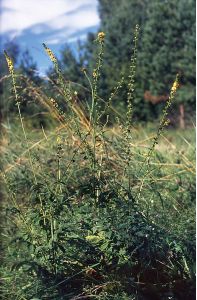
94 211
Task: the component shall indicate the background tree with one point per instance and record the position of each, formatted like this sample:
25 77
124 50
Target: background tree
30 82
118 21
169 48
28 68
166 46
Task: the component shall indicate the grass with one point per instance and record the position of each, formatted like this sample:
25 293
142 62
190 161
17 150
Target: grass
93 210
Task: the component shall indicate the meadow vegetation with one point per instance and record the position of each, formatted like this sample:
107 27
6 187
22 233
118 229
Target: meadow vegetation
95 208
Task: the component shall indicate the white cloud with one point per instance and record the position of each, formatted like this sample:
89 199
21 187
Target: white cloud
38 29
75 38
70 15
77 20
52 41
55 41
70 27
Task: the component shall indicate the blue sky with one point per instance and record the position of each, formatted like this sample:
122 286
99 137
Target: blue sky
54 22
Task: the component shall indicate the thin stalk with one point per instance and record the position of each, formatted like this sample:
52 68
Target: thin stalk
12 73
163 123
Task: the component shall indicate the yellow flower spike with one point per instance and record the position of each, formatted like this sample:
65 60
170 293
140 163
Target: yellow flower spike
50 53
101 36
175 86
9 62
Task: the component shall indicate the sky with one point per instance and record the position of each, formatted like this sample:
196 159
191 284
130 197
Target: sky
54 22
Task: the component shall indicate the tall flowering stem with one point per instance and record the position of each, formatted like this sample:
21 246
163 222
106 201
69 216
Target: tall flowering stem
94 113
132 72
164 121
96 75
66 90
13 76
130 99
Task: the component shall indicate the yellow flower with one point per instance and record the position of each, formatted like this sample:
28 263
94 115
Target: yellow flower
167 122
9 62
94 74
59 140
101 36
175 86
50 54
